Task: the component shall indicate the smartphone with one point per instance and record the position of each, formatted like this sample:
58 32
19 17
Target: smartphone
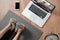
17 5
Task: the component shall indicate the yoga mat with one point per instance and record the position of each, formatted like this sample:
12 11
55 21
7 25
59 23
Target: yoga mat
29 33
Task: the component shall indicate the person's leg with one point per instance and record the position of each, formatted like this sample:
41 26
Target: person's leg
19 32
4 30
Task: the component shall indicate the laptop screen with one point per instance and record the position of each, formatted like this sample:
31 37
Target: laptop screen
37 11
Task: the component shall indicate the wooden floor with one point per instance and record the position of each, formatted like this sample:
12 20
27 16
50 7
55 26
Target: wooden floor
52 25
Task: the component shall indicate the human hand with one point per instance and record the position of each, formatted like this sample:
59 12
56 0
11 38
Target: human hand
11 23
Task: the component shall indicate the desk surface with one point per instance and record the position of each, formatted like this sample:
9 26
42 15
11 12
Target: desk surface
52 25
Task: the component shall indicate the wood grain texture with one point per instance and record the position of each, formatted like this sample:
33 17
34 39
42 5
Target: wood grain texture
52 25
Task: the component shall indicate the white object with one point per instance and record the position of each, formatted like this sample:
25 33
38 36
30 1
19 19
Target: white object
40 21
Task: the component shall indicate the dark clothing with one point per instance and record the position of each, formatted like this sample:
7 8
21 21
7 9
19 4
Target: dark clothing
9 35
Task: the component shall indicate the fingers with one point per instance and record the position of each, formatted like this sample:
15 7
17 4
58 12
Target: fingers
16 29
21 27
14 24
12 20
10 24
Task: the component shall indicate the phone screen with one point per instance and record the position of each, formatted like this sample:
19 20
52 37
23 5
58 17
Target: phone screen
17 5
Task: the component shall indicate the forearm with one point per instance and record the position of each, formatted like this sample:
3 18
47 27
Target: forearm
3 31
17 36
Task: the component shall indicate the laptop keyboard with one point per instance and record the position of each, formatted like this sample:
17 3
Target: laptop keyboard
37 11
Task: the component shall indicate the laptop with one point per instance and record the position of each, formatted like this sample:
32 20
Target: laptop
36 14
